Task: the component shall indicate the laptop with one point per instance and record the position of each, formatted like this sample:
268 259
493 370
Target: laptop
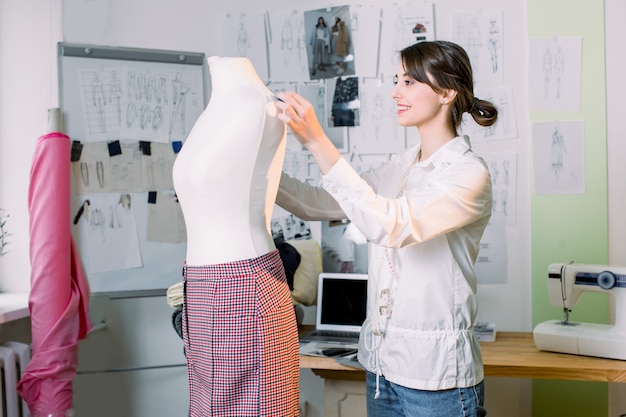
341 308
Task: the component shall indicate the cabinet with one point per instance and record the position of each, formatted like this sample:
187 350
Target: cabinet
133 364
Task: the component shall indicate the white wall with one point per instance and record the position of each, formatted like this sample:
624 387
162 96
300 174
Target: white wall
615 10
29 31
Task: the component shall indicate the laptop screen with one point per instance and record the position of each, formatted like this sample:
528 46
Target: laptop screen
341 302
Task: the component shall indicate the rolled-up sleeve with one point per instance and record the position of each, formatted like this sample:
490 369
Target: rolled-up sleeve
435 200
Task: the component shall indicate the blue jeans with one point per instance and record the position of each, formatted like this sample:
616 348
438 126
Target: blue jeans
398 401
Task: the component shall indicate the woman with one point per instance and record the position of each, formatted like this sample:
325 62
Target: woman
320 41
423 214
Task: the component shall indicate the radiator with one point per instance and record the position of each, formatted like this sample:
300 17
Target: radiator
14 356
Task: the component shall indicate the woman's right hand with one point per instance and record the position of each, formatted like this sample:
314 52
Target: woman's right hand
299 115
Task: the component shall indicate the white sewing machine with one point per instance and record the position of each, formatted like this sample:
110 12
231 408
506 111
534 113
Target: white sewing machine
566 283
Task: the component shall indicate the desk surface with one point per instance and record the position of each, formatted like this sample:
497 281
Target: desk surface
514 354
13 306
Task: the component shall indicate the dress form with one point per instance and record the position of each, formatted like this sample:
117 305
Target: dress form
226 175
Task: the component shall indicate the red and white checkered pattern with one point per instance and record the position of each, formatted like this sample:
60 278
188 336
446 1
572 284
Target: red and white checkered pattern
241 339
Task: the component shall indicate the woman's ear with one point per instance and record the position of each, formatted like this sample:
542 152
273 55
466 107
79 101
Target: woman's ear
448 96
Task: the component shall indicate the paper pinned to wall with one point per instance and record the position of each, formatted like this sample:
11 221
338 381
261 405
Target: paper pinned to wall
555 68
243 34
480 34
558 157
109 232
287 46
166 223
403 25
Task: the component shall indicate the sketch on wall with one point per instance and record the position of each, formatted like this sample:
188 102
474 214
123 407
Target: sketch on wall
122 103
108 228
403 25
558 157
126 166
555 68
503 170
128 112
506 126
378 130
287 46
243 34
491 263
480 34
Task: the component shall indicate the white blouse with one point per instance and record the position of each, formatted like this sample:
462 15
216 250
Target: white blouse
424 221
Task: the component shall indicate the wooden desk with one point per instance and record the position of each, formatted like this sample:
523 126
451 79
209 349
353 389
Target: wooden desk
513 354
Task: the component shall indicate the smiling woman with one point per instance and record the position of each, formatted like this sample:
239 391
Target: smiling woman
423 214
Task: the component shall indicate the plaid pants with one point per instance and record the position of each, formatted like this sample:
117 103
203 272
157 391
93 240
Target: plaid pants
241 339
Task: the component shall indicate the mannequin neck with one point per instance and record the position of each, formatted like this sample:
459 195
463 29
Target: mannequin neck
228 70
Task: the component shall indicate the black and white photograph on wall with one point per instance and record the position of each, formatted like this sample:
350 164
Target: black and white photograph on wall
290 227
345 104
329 49
344 248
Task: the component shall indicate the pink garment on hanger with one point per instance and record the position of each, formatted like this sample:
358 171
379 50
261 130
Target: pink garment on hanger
59 295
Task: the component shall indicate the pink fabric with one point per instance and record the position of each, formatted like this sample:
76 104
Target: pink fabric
59 296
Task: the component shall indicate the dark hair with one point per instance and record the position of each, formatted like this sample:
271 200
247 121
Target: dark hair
335 26
449 68
323 22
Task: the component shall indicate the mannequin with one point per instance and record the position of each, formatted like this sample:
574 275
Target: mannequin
239 327
226 175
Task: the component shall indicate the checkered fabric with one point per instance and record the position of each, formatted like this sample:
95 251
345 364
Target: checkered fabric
241 339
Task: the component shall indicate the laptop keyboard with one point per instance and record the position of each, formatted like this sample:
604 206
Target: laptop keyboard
335 333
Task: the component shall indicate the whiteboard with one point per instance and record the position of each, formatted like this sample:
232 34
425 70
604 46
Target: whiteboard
131 96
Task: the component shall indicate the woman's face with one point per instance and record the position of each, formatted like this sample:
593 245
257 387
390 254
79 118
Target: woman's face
418 104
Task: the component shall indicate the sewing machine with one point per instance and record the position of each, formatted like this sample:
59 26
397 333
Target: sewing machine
566 283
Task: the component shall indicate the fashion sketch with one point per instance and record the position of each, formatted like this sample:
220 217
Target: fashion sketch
244 35
558 157
555 69
404 24
480 34
179 96
558 151
139 104
243 41
287 44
